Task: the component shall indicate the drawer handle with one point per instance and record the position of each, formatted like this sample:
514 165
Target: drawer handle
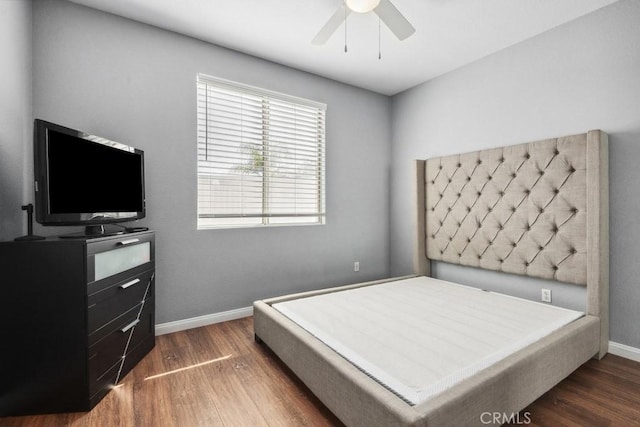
130 325
131 283
127 242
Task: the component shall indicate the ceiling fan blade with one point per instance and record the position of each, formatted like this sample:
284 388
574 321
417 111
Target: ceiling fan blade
331 26
393 19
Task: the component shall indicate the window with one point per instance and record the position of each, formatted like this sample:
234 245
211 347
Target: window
261 157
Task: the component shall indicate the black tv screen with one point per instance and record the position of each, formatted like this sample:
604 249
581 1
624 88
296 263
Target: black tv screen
83 179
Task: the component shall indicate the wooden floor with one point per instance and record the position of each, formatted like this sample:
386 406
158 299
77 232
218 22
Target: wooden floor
218 376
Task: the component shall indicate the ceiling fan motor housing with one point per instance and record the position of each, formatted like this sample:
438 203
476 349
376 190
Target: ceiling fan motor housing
362 6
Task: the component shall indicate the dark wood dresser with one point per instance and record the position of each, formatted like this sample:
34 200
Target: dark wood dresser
76 315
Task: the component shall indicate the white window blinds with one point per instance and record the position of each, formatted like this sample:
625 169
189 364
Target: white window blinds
261 156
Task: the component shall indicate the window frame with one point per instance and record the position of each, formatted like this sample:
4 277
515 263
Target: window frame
268 99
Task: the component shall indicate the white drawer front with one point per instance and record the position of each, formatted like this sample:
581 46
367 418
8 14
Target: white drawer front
118 260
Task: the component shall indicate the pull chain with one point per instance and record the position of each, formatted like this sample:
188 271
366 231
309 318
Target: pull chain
379 49
345 28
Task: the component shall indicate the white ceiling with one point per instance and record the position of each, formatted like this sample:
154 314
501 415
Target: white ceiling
449 33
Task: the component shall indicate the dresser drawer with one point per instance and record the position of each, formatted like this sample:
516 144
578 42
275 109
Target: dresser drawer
109 350
116 279
119 323
110 353
113 257
105 382
137 353
118 298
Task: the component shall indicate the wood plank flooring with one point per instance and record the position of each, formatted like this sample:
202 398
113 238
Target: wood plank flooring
218 376
600 393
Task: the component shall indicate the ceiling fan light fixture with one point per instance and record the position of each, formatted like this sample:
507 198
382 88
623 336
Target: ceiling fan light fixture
362 6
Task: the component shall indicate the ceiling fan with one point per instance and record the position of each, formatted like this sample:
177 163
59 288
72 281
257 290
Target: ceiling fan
386 11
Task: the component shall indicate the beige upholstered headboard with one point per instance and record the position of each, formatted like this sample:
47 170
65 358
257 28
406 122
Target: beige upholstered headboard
538 209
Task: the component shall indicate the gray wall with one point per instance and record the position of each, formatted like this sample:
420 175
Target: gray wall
15 112
136 84
583 75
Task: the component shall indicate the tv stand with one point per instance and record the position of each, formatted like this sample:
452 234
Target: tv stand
91 231
77 315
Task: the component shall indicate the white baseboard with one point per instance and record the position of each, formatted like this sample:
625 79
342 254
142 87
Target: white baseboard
625 351
615 348
207 319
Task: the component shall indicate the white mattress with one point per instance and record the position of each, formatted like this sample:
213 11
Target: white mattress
420 336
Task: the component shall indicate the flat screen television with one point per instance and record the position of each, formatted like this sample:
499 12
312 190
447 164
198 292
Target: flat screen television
85 180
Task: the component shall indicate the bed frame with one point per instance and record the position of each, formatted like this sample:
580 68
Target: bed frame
538 209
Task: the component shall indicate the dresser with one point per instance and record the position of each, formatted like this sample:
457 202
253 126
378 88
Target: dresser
76 316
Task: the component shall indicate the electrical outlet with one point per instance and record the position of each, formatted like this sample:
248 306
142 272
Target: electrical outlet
356 266
546 295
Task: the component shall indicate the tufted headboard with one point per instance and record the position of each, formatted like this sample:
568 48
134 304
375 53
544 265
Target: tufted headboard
538 209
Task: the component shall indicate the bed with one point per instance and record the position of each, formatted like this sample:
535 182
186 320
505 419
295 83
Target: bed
537 209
